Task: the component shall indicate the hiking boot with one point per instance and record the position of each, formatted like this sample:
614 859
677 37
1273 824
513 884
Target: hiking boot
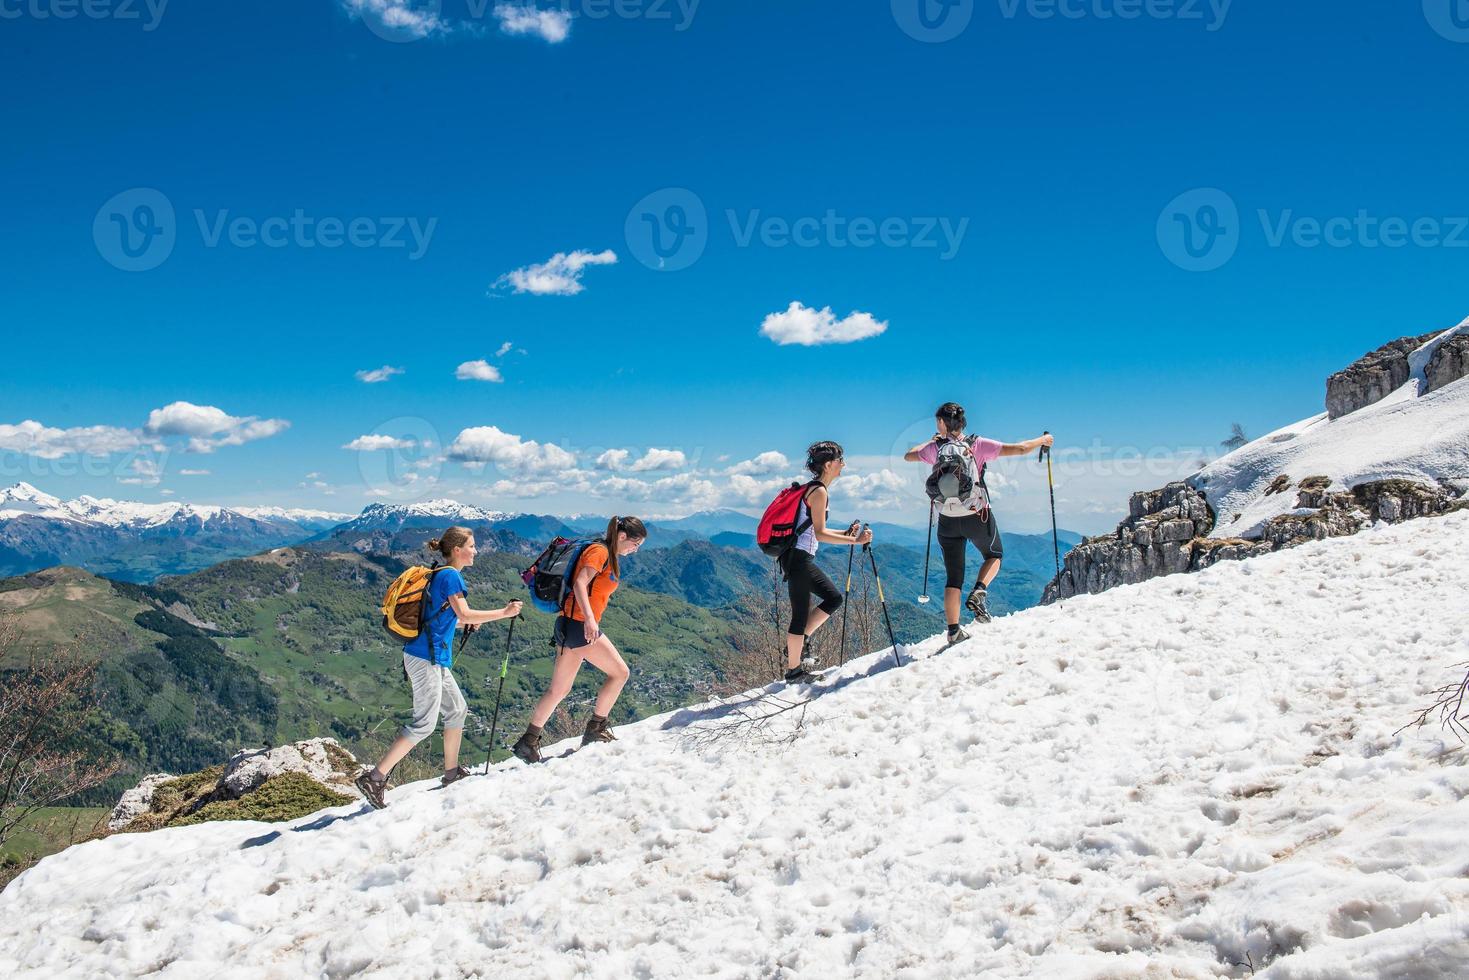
957 635
800 674
454 775
976 604
597 731
528 749
372 788
809 660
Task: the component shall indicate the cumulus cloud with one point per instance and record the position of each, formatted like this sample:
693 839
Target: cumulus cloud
409 18
762 465
378 375
613 459
883 490
807 327
660 459
504 349
488 444
748 490
146 473
47 442
480 370
208 427
560 275
368 444
685 488
551 26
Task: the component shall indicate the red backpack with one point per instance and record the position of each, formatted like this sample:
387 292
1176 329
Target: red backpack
778 529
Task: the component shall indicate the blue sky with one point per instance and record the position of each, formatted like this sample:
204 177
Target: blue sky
1004 210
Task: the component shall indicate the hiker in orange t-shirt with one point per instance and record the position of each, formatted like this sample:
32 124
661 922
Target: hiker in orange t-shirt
578 636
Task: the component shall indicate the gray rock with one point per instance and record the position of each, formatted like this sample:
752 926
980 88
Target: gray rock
137 801
1449 363
322 759
1372 377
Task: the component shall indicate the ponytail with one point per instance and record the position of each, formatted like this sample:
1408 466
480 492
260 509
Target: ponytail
630 526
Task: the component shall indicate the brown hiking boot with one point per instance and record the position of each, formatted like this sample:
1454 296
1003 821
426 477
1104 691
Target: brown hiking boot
597 731
528 749
372 788
454 775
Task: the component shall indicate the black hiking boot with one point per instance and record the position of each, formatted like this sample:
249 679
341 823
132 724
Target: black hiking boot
957 635
976 604
800 674
528 749
597 731
372 788
454 775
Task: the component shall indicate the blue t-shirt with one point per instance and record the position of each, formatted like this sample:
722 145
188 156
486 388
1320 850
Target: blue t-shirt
441 620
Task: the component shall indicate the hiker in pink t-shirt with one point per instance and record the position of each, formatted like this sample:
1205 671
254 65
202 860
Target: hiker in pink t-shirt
956 487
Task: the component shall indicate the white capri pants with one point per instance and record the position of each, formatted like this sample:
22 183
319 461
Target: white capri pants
434 689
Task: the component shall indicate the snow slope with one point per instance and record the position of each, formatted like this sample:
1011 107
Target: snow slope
1193 777
1403 436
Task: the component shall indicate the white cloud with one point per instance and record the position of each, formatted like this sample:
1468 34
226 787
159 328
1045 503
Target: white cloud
147 473
368 444
405 17
762 465
613 459
685 488
552 26
560 275
165 493
748 490
46 442
488 444
208 427
660 459
379 375
884 490
504 349
807 327
478 371
193 472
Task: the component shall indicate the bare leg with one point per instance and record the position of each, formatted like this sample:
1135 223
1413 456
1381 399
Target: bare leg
951 606
452 737
988 572
568 662
604 656
401 747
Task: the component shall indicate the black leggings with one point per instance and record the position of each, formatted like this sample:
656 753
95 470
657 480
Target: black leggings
954 532
805 580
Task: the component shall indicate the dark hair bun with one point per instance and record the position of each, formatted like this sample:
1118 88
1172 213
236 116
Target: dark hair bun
433 544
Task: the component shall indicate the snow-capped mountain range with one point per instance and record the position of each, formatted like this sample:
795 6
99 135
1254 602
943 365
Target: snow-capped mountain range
24 499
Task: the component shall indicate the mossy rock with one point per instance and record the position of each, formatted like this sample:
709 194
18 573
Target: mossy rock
177 798
1279 485
1396 488
1314 483
284 797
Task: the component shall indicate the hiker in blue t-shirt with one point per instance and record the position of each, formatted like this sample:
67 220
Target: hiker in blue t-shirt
427 660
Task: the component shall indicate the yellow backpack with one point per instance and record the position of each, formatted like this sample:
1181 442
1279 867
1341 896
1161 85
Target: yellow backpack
405 607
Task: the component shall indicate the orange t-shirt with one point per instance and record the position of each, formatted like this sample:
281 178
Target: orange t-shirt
602 586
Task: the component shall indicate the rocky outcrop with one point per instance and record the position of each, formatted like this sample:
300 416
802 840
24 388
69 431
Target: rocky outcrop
282 783
1166 531
1373 377
1449 363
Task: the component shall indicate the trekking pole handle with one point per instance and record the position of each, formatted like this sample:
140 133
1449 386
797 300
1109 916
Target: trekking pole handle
1044 449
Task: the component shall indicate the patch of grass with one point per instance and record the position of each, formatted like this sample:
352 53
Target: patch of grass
49 830
177 798
284 797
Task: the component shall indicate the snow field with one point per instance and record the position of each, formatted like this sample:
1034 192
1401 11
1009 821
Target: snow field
1193 777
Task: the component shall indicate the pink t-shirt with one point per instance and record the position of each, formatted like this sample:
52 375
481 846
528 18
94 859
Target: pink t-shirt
984 450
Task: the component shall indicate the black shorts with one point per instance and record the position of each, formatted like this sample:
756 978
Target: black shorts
981 531
569 633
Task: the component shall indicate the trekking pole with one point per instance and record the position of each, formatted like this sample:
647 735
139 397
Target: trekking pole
846 595
881 601
495 720
1055 536
927 551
